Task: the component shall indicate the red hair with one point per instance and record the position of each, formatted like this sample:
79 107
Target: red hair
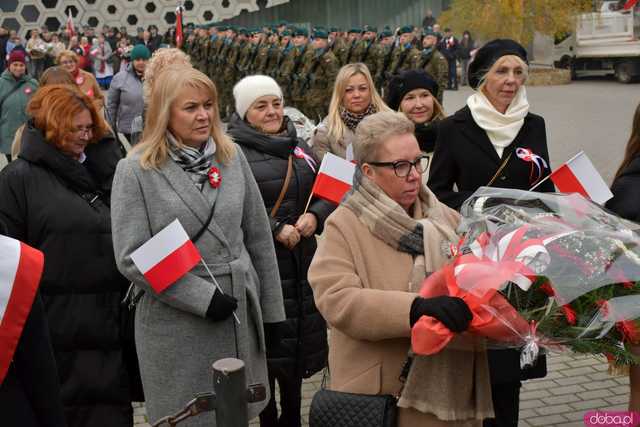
53 108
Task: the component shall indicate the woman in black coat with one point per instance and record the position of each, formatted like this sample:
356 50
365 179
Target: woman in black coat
626 203
55 198
268 140
494 141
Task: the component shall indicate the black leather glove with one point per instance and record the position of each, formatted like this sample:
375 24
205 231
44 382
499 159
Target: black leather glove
453 312
221 306
273 334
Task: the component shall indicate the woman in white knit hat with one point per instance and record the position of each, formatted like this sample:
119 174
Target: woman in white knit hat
285 170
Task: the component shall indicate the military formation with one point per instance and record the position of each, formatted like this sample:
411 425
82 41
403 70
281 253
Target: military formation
306 65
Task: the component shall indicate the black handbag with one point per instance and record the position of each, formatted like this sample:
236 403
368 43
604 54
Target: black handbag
338 409
331 408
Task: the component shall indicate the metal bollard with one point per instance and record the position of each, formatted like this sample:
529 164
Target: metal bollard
229 385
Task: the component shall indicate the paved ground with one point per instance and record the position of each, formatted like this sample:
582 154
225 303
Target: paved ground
574 385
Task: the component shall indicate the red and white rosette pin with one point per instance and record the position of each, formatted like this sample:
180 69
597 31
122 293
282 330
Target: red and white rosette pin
300 154
215 178
529 156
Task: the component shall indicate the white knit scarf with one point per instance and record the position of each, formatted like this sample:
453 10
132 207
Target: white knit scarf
501 129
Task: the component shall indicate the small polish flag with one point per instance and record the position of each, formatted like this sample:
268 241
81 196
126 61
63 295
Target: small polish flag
578 175
20 272
166 257
334 179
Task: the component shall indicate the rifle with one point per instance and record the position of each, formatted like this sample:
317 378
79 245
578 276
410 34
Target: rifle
348 61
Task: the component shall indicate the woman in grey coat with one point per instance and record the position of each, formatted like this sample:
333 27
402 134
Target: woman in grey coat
125 101
184 167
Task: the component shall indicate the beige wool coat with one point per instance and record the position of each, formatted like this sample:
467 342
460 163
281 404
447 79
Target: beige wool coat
360 285
322 143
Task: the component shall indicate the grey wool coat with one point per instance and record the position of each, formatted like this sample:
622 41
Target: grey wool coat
175 341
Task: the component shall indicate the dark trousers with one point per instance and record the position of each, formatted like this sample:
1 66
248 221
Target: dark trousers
453 74
290 402
506 405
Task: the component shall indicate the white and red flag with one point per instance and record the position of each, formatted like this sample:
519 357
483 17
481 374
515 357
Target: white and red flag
179 34
71 29
578 175
334 179
20 272
166 257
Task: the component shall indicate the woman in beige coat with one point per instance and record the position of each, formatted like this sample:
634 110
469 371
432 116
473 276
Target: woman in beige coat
354 98
378 246
86 82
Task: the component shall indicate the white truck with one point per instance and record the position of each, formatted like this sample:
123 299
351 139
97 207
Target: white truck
603 43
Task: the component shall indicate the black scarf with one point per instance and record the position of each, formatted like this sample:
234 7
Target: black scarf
352 120
426 134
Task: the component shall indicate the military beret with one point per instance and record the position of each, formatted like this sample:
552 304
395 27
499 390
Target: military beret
355 30
301 32
429 32
243 30
386 33
488 54
283 23
406 29
320 33
334 30
286 33
370 28
405 82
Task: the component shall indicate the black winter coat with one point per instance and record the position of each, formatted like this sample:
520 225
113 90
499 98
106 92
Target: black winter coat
61 207
626 192
30 392
464 156
303 350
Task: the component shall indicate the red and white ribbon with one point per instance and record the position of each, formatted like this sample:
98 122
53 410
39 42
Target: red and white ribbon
529 156
300 154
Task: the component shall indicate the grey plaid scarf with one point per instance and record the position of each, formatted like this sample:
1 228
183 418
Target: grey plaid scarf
195 162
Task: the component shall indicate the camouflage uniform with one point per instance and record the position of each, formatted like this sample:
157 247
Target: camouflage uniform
245 57
229 55
318 77
274 54
288 70
404 58
297 94
340 49
435 65
261 60
383 57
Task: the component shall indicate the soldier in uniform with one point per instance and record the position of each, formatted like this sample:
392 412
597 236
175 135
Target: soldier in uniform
228 58
382 53
291 63
282 53
261 62
353 38
432 61
405 56
301 41
248 53
318 77
339 46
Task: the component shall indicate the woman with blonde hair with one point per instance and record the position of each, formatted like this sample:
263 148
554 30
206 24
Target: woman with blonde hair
187 168
56 198
494 141
354 98
85 81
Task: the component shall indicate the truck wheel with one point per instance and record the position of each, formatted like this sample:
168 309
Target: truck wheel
624 72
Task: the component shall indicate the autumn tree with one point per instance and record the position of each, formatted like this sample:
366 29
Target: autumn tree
515 19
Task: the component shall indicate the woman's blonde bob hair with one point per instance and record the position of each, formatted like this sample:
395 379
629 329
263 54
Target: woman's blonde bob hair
168 86
334 123
375 130
498 64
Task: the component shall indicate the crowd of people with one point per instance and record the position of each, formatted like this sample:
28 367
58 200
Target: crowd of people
266 290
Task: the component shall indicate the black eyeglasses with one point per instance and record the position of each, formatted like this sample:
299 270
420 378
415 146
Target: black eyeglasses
402 168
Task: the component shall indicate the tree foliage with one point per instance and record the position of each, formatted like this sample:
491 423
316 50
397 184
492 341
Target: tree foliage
515 19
